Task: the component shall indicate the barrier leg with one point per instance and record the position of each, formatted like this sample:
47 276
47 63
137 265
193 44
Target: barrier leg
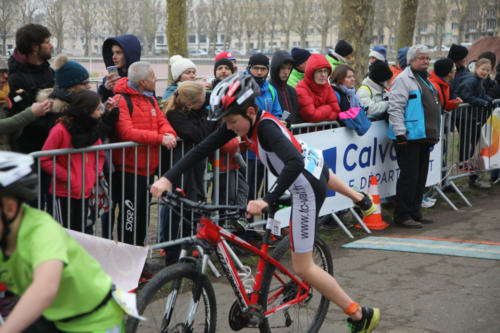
467 202
360 220
448 201
339 222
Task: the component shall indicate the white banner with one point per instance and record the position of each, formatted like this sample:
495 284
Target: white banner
123 262
355 158
489 154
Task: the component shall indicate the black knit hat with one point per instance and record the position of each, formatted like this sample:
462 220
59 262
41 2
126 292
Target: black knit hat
258 59
224 61
300 55
343 48
380 71
443 66
457 52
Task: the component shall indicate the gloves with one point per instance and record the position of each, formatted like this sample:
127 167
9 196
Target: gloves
401 143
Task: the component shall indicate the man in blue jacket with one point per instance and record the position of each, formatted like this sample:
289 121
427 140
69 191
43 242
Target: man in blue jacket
414 116
258 67
121 51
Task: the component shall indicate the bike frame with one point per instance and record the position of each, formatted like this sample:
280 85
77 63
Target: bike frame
217 237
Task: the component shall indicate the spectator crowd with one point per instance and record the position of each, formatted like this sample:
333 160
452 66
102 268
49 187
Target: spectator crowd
46 108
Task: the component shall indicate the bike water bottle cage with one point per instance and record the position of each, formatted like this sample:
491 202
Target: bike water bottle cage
232 92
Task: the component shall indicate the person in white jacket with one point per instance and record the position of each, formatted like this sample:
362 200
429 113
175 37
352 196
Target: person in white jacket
373 91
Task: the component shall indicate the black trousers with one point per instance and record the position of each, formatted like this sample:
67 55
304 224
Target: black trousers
413 168
76 211
134 211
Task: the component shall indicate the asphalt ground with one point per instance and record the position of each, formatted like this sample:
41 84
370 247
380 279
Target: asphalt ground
417 293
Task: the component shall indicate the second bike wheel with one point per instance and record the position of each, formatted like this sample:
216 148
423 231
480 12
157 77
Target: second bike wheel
278 288
173 288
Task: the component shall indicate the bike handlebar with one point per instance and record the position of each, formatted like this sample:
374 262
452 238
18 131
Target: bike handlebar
173 198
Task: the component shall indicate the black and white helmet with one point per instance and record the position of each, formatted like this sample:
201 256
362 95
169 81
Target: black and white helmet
230 92
16 178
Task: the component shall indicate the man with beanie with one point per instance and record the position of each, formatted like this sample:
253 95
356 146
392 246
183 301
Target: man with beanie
229 56
145 124
258 67
29 71
300 57
281 66
397 69
373 92
414 119
341 55
120 51
222 69
457 53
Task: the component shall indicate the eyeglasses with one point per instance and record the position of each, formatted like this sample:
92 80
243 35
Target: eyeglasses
322 71
259 68
424 58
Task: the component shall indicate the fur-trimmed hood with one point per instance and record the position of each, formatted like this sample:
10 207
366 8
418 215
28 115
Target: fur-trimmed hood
60 97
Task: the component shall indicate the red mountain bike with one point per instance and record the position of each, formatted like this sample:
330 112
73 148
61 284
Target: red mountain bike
180 298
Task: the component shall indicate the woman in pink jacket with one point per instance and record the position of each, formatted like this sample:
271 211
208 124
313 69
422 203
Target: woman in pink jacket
79 127
317 101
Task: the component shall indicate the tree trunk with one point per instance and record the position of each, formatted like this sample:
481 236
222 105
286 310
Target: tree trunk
324 36
406 26
176 29
356 22
287 40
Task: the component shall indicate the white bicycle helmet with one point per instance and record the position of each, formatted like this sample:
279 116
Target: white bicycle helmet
231 92
16 179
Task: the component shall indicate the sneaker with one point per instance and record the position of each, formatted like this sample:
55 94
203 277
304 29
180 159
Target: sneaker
366 204
479 183
367 323
428 202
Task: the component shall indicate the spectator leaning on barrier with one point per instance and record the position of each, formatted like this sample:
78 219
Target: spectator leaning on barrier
300 57
444 71
12 125
457 53
490 84
317 101
343 81
281 67
29 71
373 92
341 55
414 116
397 69
79 127
120 51
144 124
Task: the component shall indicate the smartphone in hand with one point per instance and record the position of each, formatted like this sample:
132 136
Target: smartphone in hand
112 70
285 115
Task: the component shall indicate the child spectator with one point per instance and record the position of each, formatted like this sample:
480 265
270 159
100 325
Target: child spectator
300 57
78 128
281 67
317 101
121 51
457 53
373 92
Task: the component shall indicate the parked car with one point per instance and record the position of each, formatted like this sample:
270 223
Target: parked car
313 50
198 53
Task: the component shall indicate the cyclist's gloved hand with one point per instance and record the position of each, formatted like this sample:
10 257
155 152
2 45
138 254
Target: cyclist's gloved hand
401 143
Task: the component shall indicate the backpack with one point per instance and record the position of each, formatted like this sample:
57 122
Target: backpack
130 105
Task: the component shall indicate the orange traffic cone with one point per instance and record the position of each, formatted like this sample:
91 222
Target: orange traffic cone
374 221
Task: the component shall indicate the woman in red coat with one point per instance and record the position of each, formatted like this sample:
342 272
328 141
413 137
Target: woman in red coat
317 101
444 71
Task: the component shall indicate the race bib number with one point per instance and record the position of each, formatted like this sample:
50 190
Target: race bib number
127 301
313 160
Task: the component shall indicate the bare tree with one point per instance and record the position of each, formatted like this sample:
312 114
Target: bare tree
84 14
326 13
176 29
286 19
356 21
302 21
462 12
55 18
423 23
214 20
440 10
248 20
114 10
28 9
7 11
228 20
392 10
150 17
406 25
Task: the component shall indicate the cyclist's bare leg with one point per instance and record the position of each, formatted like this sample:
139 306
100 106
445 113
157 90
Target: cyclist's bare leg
337 185
323 282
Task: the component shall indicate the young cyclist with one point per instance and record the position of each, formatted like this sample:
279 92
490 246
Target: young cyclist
298 168
61 287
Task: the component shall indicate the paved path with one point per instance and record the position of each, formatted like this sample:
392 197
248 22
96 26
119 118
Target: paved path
419 293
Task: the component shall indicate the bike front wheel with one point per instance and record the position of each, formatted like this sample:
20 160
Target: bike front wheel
167 302
278 288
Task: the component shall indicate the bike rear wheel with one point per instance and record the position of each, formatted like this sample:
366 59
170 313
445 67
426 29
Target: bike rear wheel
277 288
172 289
